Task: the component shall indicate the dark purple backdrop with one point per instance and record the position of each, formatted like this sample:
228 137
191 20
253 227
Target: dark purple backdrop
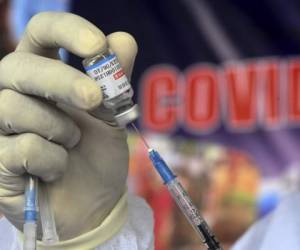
184 32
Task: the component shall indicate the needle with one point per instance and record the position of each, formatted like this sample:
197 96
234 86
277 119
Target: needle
142 137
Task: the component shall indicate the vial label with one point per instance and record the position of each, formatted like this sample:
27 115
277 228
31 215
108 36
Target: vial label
110 76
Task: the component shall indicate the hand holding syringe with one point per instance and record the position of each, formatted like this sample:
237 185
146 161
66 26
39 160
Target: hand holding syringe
182 199
47 131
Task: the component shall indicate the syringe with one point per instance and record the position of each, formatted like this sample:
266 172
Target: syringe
182 199
35 204
30 214
50 235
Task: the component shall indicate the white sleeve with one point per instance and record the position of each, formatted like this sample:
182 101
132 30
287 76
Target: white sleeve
278 231
137 233
8 236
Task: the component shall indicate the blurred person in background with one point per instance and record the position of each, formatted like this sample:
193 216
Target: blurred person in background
6 43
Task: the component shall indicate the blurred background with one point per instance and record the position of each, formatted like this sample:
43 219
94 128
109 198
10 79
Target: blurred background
218 86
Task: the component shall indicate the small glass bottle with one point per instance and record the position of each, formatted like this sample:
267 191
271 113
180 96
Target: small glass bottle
117 92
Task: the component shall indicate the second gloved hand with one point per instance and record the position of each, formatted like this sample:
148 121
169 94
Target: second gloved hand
46 131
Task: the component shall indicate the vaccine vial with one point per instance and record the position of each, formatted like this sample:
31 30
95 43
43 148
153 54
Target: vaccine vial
117 92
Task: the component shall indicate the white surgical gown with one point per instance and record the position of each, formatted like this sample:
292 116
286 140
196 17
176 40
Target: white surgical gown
278 231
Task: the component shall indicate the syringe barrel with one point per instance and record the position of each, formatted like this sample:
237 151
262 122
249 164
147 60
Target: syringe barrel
50 235
30 236
30 214
185 203
192 214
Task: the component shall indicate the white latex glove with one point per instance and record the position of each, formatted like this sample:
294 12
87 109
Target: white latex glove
46 131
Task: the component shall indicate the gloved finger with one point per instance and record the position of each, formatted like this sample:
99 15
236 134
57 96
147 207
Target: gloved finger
125 47
51 30
32 154
48 78
20 114
10 184
13 207
12 195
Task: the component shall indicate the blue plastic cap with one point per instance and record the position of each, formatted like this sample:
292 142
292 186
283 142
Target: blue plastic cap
160 165
30 215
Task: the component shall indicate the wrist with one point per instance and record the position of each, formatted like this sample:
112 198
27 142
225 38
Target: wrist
110 226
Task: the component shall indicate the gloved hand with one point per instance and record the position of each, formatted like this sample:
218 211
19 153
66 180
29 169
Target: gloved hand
46 131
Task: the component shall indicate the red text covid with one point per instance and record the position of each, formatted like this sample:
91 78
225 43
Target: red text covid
243 96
